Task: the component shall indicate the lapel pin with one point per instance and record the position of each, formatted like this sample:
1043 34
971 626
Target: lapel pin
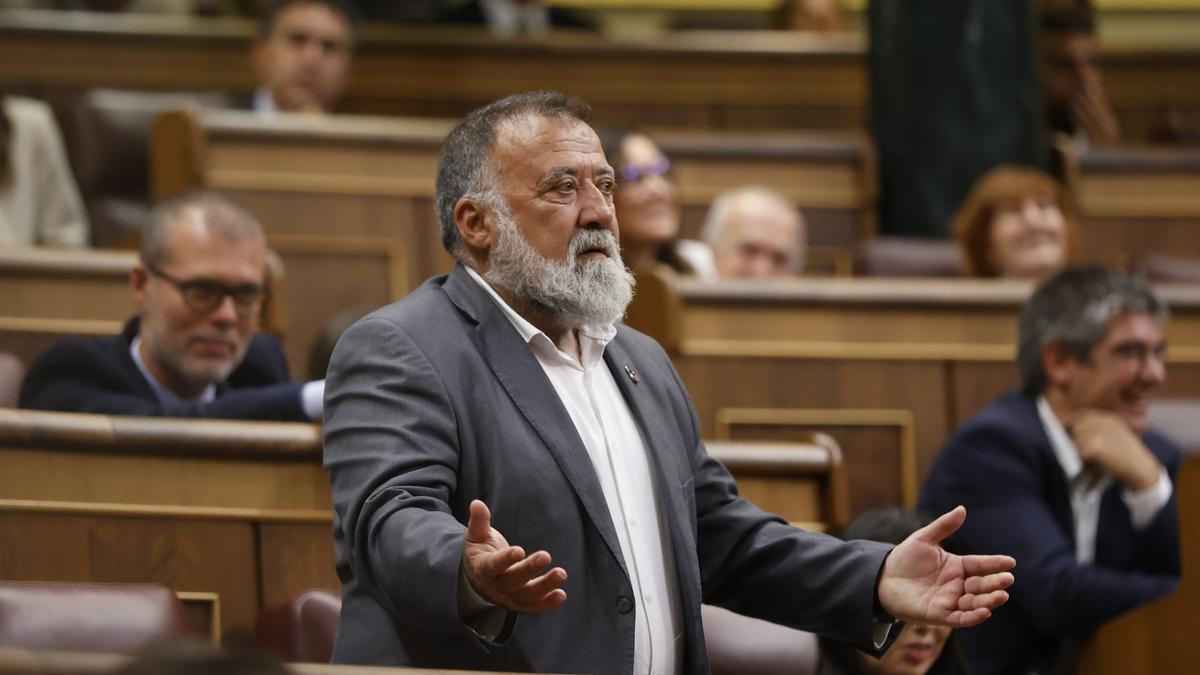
632 374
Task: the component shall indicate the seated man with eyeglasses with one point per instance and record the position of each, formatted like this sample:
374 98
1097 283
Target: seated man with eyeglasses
193 349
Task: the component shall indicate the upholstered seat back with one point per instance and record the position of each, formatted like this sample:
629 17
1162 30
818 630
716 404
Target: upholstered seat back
90 617
301 628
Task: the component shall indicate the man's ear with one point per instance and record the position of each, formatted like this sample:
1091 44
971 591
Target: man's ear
475 228
139 278
1058 365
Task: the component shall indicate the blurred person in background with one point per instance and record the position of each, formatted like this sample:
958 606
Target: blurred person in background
303 54
921 649
194 349
755 232
648 206
506 18
1076 104
1017 223
39 201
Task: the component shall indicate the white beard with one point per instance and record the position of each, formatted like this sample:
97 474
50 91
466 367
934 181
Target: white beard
574 291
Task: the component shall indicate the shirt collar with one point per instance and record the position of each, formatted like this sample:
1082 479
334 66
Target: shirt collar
592 339
1060 441
264 103
165 396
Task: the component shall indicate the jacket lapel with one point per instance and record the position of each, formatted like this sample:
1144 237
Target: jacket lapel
518 370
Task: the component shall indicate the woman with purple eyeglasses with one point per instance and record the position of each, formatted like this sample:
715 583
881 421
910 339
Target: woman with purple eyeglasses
647 202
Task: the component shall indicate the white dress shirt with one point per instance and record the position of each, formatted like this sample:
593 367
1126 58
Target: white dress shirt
1087 486
618 454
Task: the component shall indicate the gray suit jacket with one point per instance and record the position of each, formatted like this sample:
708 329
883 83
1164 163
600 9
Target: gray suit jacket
435 401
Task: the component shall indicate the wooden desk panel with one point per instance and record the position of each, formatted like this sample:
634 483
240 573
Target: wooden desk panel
1135 201
240 509
937 349
1160 637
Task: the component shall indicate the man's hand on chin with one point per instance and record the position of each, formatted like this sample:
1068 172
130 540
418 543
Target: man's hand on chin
921 582
502 574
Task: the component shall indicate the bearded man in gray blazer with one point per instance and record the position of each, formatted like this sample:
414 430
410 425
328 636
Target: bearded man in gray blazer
518 480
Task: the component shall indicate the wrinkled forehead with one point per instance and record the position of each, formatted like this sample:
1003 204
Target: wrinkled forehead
532 139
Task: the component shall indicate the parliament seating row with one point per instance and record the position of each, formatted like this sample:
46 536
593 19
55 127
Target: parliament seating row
348 202
714 80
887 367
242 510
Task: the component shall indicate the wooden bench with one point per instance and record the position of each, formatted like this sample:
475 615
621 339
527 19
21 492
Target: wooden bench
886 367
348 201
1136 201
46 294
242 509
233 508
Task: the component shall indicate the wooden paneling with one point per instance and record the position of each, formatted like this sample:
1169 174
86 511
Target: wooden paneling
804 480
184 555
233 508
1135 201
725 79
1159 638
878 446
937 349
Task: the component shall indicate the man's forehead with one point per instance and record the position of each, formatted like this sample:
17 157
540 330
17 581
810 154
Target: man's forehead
545 142
1134 326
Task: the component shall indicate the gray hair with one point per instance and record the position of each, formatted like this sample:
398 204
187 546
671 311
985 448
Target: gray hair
1074 309
718 215
465 166
219 213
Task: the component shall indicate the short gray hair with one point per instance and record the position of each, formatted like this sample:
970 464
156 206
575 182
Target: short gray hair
465 166
220 214
1074 309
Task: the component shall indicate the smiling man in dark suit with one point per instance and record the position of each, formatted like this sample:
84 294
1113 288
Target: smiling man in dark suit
518 480
1063 475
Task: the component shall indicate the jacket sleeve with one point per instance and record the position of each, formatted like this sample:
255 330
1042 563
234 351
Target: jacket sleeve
754 563
1000 483
392 455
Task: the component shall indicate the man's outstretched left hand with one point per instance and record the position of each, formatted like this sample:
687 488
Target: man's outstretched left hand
922 582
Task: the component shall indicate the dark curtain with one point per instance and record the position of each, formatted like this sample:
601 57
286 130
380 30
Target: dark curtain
953 93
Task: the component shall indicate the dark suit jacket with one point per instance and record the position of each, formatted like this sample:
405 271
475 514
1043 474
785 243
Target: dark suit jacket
93 375
1001 467
435 401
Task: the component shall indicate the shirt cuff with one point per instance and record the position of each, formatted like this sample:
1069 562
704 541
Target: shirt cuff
1145 505
880 633
484 618
312 400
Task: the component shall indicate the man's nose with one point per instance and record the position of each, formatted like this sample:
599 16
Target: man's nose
596 208
1154 368
225 312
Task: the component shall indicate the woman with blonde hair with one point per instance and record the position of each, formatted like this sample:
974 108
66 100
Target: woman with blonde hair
1018 223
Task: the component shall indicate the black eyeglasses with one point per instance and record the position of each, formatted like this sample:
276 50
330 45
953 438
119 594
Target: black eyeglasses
205 295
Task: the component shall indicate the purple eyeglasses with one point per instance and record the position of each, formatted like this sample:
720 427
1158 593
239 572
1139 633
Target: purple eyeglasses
633 173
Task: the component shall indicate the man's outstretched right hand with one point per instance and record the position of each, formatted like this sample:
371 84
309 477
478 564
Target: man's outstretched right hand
503 574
